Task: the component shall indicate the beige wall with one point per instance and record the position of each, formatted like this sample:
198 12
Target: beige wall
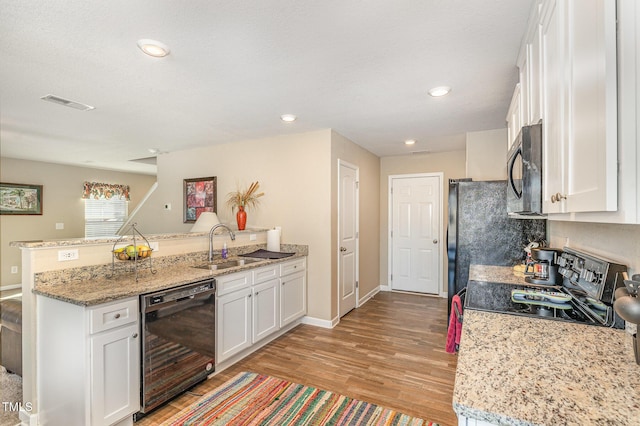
620 243
62 189
369 219
451 164
487 155
294 172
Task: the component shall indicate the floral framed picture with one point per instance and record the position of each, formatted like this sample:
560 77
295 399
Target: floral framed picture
20 199
200 195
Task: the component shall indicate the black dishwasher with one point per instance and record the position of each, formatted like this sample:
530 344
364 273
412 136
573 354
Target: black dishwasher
178 345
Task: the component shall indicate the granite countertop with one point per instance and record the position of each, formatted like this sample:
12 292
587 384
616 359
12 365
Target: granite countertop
96 290
515 370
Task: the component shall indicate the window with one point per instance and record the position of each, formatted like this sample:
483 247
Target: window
103 218
106 206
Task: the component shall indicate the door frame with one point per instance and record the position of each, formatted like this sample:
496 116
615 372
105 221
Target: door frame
440 176
357 248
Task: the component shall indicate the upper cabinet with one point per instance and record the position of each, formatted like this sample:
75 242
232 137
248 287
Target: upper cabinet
569 79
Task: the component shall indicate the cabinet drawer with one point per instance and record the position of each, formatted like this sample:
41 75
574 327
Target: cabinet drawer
112 315
267 273
232 282
292 267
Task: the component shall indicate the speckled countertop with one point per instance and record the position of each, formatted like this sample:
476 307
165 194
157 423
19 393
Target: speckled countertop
515 370
94 290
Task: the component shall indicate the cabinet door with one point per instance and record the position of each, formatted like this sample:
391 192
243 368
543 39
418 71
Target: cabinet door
553 154
293 298
115 375
233 323
266 309
535 76
514 116
592 149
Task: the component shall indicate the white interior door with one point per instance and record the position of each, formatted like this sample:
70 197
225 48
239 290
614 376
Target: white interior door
347 237
415 233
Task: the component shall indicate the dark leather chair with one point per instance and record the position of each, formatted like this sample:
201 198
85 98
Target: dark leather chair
11 335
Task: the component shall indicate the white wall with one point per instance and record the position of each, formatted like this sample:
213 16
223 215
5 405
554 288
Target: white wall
487 155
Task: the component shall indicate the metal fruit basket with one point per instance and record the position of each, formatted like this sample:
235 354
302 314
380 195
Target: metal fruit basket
138 257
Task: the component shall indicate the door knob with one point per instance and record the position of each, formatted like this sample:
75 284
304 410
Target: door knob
135 335
343 249
435 241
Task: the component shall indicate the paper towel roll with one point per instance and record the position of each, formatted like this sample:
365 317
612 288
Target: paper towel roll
273 240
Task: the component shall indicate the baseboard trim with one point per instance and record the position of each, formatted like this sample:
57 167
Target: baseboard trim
385 288
317 322
27 418
368 296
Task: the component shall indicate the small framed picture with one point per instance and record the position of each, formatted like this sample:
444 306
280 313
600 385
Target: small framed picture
20 199
200 195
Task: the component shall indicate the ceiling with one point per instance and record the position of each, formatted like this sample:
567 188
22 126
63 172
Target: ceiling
360 67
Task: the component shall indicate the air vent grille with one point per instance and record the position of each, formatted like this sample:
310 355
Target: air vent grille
66 102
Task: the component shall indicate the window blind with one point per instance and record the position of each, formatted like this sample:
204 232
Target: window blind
104 217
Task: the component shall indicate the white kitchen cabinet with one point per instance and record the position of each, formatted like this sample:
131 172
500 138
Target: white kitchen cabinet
256 305
293 291
514 116
115 374
579 105
88 362
628 48
266 309
233 323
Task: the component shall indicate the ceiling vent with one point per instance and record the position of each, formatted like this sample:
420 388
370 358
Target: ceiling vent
66 102
146 160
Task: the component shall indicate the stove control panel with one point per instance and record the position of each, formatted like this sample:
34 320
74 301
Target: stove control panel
594 275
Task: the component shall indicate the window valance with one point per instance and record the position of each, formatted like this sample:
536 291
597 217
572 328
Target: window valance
105 191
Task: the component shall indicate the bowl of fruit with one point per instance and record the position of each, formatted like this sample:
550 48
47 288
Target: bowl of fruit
132 252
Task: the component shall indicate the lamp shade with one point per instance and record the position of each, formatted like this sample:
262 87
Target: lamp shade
205 221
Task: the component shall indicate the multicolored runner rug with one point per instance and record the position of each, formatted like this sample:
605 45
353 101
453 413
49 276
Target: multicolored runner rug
257 399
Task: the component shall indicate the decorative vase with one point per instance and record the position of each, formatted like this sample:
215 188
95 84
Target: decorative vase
241 218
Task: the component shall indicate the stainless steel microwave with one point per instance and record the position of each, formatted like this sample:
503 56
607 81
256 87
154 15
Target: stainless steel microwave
524 170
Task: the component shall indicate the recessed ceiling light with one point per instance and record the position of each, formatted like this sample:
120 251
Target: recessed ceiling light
410 142
153 48
288 118
439 91
153 150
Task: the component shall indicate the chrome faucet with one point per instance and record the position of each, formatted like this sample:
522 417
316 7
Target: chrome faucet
213 228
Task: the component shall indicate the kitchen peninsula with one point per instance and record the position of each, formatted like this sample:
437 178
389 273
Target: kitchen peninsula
515 370
81 318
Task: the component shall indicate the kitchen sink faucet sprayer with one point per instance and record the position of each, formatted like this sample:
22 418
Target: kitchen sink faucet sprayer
213 228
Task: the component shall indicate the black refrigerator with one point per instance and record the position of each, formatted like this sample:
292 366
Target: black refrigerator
481 232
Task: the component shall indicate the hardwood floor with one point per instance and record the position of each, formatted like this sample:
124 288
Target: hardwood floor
389 352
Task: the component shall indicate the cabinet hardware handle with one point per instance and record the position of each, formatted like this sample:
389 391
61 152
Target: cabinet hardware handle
249 296
553 198
560 197
283 283
135 335
117 316
435 241
343 249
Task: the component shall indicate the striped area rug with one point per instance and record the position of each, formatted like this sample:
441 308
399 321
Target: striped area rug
257 399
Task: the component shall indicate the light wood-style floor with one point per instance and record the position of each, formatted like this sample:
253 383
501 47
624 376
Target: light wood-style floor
389 352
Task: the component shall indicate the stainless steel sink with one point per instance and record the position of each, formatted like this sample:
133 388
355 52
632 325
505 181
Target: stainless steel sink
226 264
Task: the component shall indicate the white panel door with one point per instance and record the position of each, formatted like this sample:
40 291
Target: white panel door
348 237
415 238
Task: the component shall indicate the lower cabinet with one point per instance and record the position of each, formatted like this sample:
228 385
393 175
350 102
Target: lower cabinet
254 305
88 362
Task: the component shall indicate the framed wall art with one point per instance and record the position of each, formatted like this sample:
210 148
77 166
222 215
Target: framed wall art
200 195
20 199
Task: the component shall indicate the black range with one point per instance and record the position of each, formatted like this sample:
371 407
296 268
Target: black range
584 296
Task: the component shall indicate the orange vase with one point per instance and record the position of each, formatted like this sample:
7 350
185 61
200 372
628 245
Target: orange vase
241 218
